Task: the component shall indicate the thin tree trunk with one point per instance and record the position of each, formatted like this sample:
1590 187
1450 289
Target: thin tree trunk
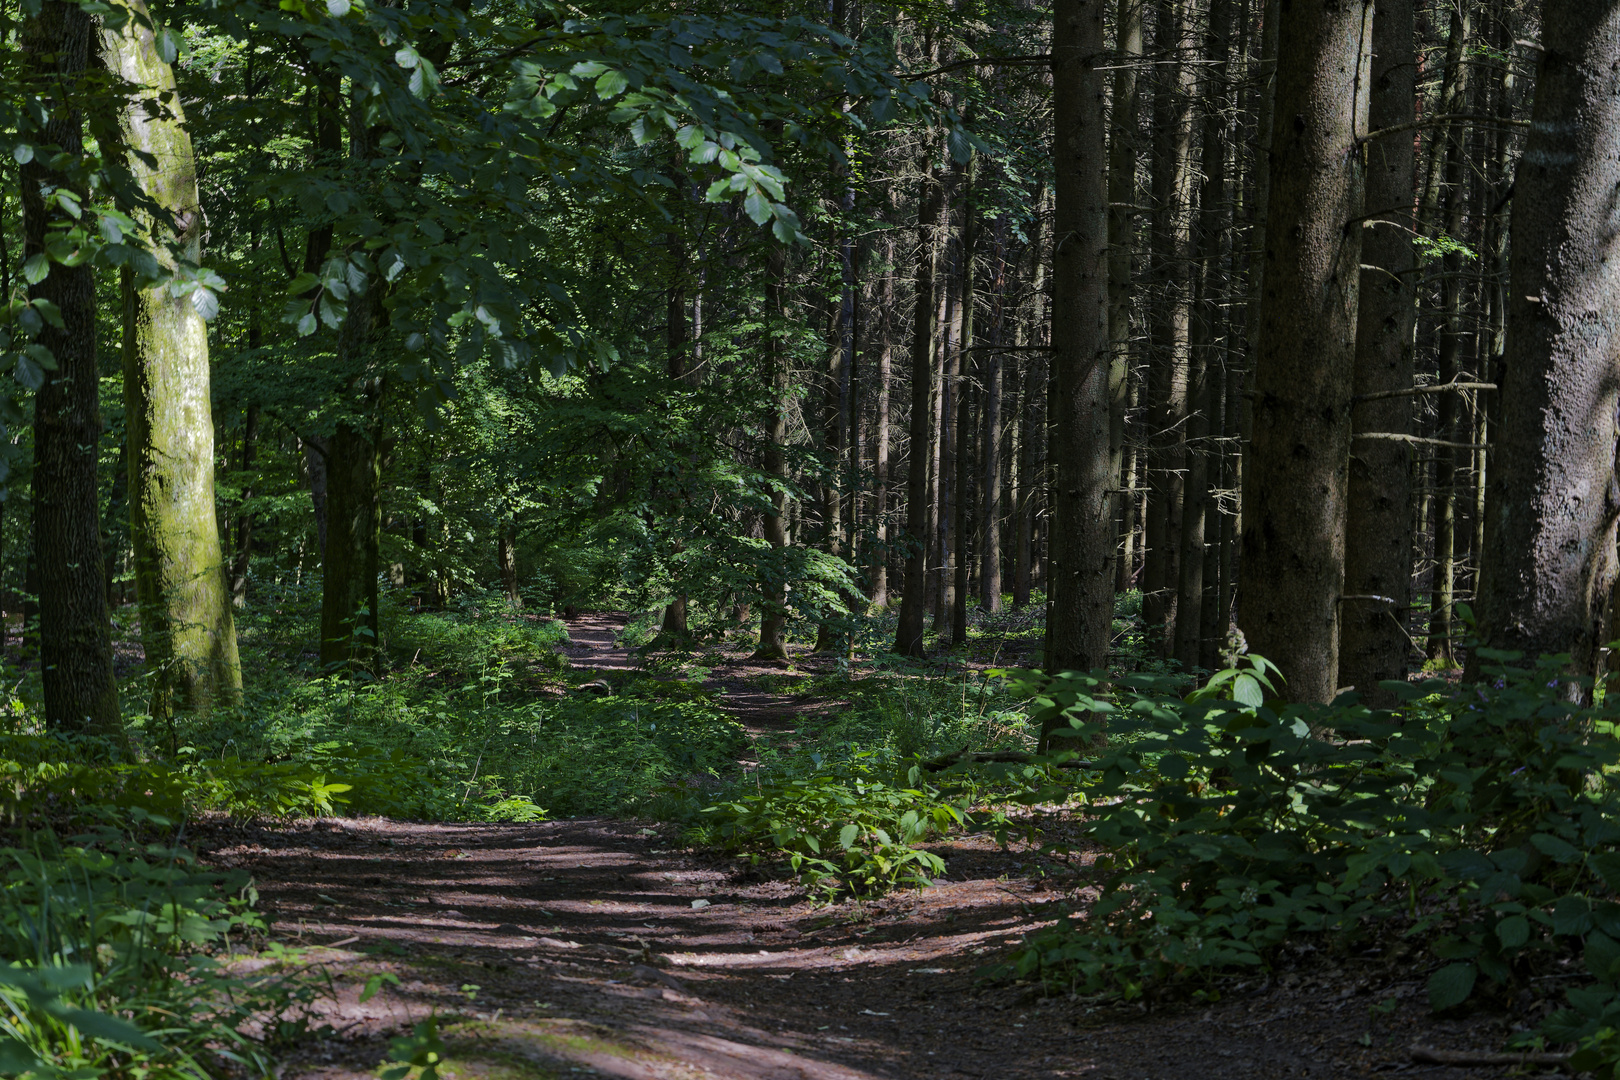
1295 477
80 694
1378 534
1551 510
1080 613
187 625
989 532
1168 325
244 519
1122 140
1446 471
913 601
773 592
1204 338
879 565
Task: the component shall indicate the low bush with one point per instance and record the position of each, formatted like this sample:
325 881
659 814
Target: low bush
117 968
851 824
1479 819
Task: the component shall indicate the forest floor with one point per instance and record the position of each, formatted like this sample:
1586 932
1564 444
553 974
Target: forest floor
601 947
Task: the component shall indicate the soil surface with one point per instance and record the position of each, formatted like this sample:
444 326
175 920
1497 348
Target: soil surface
600 947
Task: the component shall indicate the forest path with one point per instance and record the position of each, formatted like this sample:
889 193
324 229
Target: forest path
600 947
737 678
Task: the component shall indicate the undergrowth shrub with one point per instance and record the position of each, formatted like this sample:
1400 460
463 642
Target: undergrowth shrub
116 967
850 824
1481 820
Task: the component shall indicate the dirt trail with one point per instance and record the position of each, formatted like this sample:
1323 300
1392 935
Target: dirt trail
596 947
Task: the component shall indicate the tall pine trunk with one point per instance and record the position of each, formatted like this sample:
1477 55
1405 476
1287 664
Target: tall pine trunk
1378 537
1080 614
913 601
1295 476
187 626
1549 562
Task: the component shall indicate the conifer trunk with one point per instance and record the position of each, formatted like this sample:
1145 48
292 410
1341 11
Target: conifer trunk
1295 476
1080 615
1549 561
1378 534
913 601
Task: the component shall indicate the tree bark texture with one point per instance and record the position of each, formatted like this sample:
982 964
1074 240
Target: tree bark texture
187 626
1295 477
1168 321
74 633
1553 501
913 601
1373 644
773 592
1080 615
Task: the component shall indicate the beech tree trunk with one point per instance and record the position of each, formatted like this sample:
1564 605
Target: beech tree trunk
1549 564
1378 535
1295 476
1122 152
187 626
1080 614
75 639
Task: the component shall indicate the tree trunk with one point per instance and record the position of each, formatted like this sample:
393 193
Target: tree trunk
187 625
1080 613
1378 535
244 519
349 599
990 443
879 565
1204 338
913 601
1550 513
1447 427
1122 121
80 693
1168 324
1295 477
773 592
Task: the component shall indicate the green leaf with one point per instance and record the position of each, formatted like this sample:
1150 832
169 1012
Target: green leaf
1606 865
23 153
758 207
36 269
1173 766
1554 848
406 57
1513 931
168 45
1572 916
610 84
1246 690
1602 956
1451 985
337 8
847 836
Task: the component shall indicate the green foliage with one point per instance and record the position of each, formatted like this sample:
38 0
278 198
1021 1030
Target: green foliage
112 968
1480 819
417 1055
850 824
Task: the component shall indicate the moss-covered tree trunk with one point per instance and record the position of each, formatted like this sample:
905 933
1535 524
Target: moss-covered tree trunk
186 623
75 640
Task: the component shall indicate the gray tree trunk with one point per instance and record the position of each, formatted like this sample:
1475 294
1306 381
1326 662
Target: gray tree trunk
1295 475
1080 612
1378 539
1549 561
